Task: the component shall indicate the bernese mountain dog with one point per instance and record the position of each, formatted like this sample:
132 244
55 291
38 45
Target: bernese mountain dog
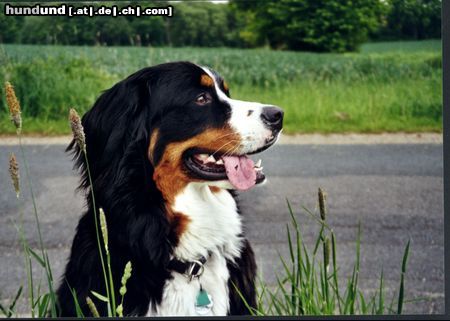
167 149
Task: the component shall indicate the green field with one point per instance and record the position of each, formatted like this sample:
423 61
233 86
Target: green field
391 87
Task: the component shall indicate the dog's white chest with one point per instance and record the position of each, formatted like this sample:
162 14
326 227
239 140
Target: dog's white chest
180 295
214 228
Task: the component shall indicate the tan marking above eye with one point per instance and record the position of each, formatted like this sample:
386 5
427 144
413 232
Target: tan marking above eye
206 81
225 86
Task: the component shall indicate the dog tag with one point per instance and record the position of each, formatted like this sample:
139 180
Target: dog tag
203 303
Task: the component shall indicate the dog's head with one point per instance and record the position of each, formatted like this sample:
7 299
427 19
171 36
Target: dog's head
181 117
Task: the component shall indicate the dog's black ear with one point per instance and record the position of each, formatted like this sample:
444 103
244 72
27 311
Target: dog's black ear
119 121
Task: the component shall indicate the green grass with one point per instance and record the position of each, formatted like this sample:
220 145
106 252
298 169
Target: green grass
36 126
387 87
309 283
403 46
336 107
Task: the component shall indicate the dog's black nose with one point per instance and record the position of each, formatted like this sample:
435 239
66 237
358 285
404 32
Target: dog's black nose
273 117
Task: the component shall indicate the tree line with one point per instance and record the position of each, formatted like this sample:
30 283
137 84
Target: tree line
313 25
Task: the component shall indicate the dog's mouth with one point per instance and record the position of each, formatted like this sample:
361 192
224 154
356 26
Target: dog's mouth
240 170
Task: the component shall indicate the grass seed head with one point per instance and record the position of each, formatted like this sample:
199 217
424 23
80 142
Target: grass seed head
127 272
104 229
14 106
322 204
14 172
123 290
77 129
92 307
125 277
119 310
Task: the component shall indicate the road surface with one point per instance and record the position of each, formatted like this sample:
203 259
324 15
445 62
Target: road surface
394 190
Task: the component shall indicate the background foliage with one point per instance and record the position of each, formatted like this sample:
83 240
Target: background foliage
320 25
56 62
386 87
313 25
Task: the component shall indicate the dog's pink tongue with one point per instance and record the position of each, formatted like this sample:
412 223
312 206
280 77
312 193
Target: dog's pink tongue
240 171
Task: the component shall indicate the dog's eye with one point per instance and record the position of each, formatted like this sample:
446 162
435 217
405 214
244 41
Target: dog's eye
203 99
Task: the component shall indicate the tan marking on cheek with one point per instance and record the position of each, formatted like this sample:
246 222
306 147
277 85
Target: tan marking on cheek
214 189
170 178
225 86
169 174
151 146
206 81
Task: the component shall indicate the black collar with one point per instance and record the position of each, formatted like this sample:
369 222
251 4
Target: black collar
189 269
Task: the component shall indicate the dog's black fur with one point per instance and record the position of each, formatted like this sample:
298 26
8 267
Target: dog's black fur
118 129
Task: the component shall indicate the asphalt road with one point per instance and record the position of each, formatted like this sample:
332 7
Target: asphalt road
395 191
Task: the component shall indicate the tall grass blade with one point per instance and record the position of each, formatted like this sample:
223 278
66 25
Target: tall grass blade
37 257
252 310
356 272
43 302
380 309
319 239
363 305
100 297
289 275
28 265
349 292
97 232
308 261
16 298
326 252
322 223
291 251
10 310
277 304
38 225
300 271
391 305
402 280
3 310
335 275
78 310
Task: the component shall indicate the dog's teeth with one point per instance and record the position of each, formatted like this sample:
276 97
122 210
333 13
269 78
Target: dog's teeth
258 169
201 157
258 163
211 159
219 162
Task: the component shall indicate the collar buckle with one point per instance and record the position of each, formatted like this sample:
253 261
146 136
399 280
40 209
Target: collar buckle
195 270
190 269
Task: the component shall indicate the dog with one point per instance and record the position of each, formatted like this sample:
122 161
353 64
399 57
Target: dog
167 150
